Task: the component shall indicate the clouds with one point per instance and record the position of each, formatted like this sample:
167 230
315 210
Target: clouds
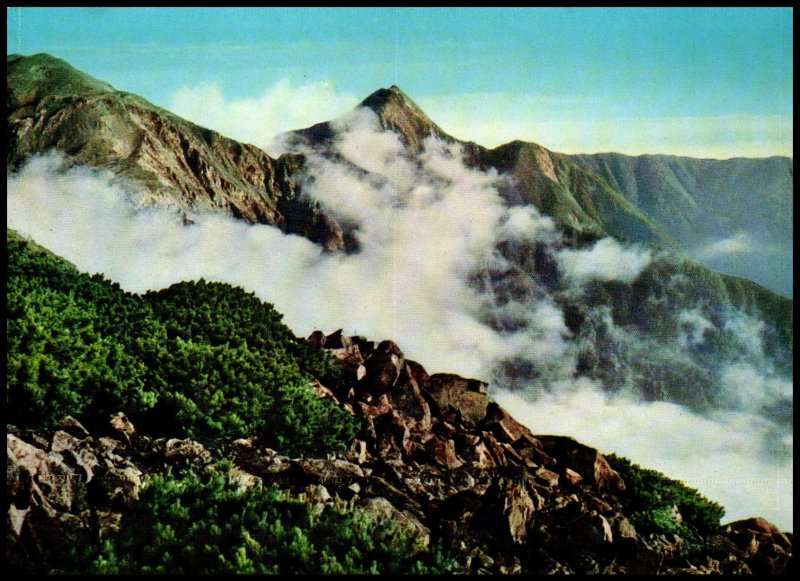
281 107
722 455
606 260
589 124
739 243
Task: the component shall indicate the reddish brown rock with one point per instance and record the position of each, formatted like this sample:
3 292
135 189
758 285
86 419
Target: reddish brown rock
755 525
466 397
495 448
500 422
584 460
572 477
443 452
406 397
383 367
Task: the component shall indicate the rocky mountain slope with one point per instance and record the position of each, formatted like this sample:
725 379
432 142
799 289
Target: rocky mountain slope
434 456
51 105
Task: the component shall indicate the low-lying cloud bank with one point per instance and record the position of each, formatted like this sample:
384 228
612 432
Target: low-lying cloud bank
428 228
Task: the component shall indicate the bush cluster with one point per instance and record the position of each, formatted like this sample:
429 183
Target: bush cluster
206 524
204 360
650 498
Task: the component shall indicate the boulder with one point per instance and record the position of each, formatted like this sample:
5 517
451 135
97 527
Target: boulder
586 461
316 339
406 397
443 452
383 367
500 422
506 506
383 510
73 427
466 397
351 360
120 423
34 476
177 450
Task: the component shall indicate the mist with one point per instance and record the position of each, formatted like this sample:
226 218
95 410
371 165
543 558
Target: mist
428 228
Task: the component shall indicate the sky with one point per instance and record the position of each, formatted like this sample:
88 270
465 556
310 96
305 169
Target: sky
714 82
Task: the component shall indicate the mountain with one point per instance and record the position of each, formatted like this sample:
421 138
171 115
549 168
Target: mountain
554 285
579 201
51 105
700 202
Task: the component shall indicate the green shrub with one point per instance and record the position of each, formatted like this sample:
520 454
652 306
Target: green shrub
649 500
205 524
200 360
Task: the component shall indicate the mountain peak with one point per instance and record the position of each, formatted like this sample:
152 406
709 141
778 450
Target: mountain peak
398 112
31 78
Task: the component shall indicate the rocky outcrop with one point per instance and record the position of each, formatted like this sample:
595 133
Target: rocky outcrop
436 455
163 158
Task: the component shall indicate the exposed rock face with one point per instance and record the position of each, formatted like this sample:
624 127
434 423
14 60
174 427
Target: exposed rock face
50 106
436 456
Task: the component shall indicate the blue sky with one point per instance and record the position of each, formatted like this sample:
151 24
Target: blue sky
702 82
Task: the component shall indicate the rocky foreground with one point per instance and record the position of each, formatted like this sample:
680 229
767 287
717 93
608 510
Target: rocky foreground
436 455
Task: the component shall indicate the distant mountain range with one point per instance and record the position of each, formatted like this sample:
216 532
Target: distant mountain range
675 202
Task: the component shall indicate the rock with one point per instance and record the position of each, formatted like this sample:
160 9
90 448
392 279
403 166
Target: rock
755 525
73 427
178 450
106 448
108 523
463 480
383 367
351 360
63 441
123 484
317 494
584 460
406 397
606 478
443 452
498 454
332 473
480 456
591 530
547 477
504 427
16 518
33 475
507 506
383 510
572 477
123 425
244 480
467 397
316 339
358 451
626 533
337 341
322 391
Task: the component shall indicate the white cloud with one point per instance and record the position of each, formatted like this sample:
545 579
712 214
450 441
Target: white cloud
722 456
562 124
258 120
606 260
739 243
